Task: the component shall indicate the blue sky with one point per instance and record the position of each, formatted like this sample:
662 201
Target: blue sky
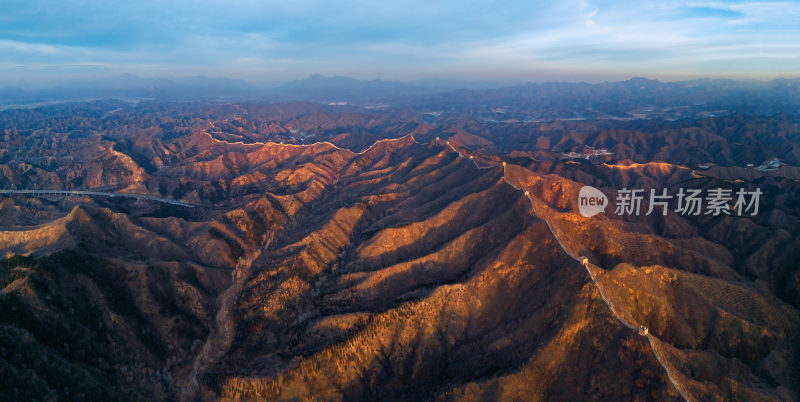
403 40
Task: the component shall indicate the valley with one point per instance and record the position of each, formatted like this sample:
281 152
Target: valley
198 251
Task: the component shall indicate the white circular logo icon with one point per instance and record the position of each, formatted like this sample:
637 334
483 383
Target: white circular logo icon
591 201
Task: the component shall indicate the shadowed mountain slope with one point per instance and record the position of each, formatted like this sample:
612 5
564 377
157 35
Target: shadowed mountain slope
382 255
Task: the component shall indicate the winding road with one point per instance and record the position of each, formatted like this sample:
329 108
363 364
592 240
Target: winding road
74 193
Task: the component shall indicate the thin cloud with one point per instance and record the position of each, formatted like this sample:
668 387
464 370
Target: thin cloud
409 39
30 48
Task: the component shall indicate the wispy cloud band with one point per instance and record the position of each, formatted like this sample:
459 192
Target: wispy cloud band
403 39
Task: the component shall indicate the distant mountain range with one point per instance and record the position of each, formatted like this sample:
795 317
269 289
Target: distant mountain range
318 87
129 87
633 98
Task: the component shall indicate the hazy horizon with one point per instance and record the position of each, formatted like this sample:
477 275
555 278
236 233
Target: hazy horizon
423 81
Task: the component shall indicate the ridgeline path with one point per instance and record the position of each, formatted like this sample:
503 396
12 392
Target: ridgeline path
653 341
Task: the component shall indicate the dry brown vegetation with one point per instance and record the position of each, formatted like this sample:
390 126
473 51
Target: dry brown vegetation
392 270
